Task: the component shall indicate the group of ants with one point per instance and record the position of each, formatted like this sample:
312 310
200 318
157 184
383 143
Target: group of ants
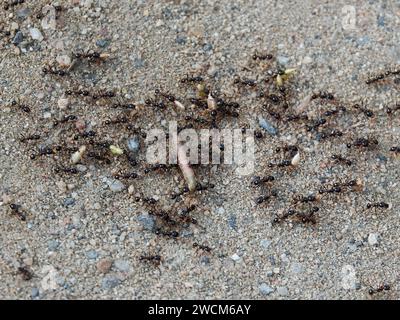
275 103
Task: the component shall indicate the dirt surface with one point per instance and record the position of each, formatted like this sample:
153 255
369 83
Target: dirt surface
85 232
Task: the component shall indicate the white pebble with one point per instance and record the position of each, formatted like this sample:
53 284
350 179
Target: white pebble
36 34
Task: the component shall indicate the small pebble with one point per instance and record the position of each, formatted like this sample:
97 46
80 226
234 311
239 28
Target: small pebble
282 291
116 186
53 245
373 239
265 289
267 126
232 222
34 292
102 43
91 254
69 202
63 103
265 243
104 265
122 265
18 38
110 282
146 221
282 60
36 34
235 257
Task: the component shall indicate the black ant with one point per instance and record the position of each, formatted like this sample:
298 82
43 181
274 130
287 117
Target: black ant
154 259
339 187
305 199
91 56
131 175
395 149
88 134
316 124
391 110
340 159
381 288
44 151
147 200
331 134
23 107
381 76
54 71
202 247
154 104
65 119
164 216
308 217
170 234
30 137
333 112
12 4
245 82
199 103
128 106
66 170
282 164
379 205
367 112
118 120
296 117
363 142
265 198
16 209
323 95
192 79
25 273
258 56
156 167
257 180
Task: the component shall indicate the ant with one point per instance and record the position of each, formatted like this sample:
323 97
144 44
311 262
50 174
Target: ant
132 175
164 216
393 109
66 170
25 273
331 134
199 103
128 106
154 259
23 107
16 209
202 247
13 4
264 198
316 124
380 205
199 187
396 150
245 82
297 117
44 151
258 56
192 79
381 76
338 187
305 199
93 56
52 70
340 159
282 164
363 142
170 234
257 180
30 137
381 288
156 167
65 119
118 120
150 201
336 111
367 112
323 95
154 104
308 217
88 134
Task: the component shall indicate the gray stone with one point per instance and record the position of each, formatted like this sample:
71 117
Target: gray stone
22 13
34 292
265 289
138 63
122 265
36 34
373 239
232 222
265 243
267 126
102 43
146 221
110 282
18 38
282 291
181 39
53 245
282 60
91 254
69 202
207 47
297 268
133 144
116 185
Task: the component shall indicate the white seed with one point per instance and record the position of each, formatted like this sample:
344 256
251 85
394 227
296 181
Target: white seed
179 105
187 171
296 160
212 105
77 156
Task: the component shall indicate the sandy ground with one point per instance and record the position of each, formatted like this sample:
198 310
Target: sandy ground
84 233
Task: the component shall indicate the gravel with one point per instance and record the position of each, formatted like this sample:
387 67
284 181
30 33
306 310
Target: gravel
153 45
